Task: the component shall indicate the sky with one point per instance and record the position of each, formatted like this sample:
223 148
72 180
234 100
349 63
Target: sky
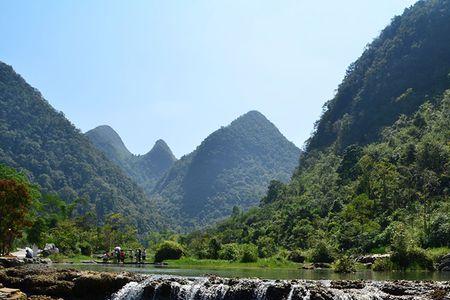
179 70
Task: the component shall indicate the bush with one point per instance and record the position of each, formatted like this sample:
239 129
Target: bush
249 253
383 264
85 249
405 253
214 247
419 259
322 254
229 252
168 250
266 247
345 265
296 256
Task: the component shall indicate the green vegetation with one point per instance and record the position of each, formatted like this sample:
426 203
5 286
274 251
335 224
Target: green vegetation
145 169
41 142
344 265
168 250
374 176
16 200
230 169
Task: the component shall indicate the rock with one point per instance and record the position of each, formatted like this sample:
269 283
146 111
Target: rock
322 266
347 284
12 294
444 263
43 280
11 262
370 259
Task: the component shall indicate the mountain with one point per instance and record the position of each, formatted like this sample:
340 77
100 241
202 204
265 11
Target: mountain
231 167
378 165
406 65
39 140
145 169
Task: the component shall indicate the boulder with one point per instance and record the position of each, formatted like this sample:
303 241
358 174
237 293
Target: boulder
11 262
444 263
12 294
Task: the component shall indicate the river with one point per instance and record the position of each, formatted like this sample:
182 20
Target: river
263 273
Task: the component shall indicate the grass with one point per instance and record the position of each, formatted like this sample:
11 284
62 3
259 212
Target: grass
211 263
76 258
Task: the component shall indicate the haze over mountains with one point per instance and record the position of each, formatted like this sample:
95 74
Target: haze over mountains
232 167
145 169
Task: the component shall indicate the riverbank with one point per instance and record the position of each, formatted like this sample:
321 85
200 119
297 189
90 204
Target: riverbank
80 285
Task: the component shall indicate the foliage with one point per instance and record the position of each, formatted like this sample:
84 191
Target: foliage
382 265
168 250
322 253
230 252
41 142
249 253
296 256
16 199
344 265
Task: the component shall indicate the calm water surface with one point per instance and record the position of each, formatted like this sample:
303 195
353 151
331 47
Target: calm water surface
264 273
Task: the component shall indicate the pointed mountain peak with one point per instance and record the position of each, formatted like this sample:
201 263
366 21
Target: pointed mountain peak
161 149
107 139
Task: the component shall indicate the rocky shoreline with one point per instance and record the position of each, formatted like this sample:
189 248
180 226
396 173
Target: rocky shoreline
40 282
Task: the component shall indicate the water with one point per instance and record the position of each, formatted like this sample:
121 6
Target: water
264 273
159 287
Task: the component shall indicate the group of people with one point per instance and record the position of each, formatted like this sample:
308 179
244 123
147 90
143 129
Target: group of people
119 255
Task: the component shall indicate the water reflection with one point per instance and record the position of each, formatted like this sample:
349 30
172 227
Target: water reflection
324 274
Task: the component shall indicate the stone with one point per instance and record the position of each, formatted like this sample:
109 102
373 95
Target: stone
444 263
12 294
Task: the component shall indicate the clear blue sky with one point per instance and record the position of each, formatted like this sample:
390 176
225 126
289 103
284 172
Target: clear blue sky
178 70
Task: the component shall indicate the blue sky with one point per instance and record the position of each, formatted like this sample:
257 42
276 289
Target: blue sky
178 70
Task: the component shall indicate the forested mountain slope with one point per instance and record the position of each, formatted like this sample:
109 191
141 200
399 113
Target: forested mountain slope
231 167
408 63
37 139
359 181
145 169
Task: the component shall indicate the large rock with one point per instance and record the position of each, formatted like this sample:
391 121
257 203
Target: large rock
12 294
67 284
444 263
11 262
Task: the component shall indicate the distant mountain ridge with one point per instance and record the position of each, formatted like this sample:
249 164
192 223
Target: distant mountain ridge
231 167
40 141
145 169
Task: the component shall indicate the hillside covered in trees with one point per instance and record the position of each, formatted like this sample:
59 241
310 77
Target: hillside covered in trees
378 165
40 141
145 169
232 167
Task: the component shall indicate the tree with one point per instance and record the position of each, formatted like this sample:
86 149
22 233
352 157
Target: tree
15 202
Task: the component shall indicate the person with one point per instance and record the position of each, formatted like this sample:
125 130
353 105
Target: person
105 256
117 253
28 253
144 255
122 256
138 255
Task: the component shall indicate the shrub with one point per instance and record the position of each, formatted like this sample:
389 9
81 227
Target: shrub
322 253
419 259
296 256
214 247
249 253
383 264
345 265
229 252
85 248
266 247
168 250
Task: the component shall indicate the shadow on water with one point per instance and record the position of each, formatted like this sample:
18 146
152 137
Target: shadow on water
264 273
